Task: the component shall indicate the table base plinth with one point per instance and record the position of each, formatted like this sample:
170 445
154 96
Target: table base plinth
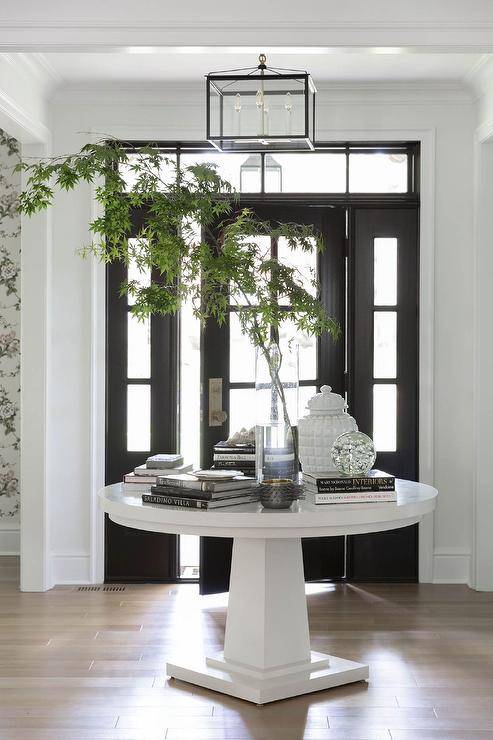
323 672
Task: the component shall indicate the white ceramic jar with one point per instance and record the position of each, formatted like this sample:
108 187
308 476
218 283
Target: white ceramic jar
318 430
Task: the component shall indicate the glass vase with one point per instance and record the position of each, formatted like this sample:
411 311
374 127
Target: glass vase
276 397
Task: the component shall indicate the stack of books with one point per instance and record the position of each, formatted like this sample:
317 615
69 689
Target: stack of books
335 488
205 489
239 457
144 476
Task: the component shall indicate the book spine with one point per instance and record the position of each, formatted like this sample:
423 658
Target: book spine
233 464
129 478
223 450
188 503
247 457
162 480
134 489
356 481
142 482
350 488
345 498
164 490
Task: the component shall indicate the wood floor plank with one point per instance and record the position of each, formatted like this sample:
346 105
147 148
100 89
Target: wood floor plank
90 665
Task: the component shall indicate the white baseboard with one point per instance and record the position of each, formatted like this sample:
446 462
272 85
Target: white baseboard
10 538
70 568
451 565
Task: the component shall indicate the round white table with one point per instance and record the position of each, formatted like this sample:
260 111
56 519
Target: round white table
267 643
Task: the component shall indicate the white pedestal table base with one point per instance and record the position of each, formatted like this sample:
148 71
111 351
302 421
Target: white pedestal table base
267 644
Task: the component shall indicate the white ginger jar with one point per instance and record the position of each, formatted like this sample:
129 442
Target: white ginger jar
318 430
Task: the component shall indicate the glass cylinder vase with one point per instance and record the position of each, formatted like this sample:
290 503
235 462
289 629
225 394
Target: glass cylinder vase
276 398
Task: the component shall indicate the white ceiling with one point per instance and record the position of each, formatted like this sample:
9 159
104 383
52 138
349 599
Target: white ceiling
192 64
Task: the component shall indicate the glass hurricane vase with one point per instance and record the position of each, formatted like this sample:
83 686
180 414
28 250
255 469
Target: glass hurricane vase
276 398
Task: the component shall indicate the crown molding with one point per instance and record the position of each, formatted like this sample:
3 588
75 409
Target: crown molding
480 80
186 95
19 123
202 36
440 25
35 69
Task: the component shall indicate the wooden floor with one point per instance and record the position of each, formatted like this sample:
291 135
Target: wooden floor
89 665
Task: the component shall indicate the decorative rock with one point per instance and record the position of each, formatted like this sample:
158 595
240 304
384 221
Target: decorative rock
243 437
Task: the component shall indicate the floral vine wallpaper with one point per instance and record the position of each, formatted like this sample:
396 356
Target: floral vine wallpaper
10 226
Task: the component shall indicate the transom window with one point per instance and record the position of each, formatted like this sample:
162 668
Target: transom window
339 168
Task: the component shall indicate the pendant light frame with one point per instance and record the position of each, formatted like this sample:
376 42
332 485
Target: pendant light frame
227 90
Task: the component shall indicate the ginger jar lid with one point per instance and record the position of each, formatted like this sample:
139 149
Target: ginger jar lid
327 402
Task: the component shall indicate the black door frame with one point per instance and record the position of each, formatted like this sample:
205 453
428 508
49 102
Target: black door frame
349 201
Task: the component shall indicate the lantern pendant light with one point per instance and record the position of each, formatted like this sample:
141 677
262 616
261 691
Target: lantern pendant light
261 109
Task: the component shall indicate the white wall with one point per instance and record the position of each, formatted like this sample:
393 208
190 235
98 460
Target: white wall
24 85
482 508
444 114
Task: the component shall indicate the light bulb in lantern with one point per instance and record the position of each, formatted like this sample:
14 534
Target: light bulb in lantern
288 106
260 103
237 108
266 119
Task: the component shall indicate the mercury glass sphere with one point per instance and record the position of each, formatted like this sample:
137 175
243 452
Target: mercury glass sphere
353 453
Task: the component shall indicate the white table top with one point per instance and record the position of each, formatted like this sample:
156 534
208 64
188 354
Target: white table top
304 519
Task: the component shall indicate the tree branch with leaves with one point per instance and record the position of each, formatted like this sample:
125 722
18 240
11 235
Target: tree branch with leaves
194 235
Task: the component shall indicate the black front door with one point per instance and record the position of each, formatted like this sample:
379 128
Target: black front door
371 286
141 420
320 362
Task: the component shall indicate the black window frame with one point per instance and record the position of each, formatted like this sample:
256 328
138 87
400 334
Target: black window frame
410 148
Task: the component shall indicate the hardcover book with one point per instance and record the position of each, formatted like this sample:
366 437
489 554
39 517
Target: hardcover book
176 492
187 480
234 464
225 447
358 497
195 503
234 456
134 479
144 470
136 488
164 461
375 480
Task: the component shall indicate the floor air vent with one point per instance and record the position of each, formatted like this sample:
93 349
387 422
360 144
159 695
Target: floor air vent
101 588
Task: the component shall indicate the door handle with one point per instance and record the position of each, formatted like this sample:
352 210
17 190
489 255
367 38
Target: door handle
217 416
